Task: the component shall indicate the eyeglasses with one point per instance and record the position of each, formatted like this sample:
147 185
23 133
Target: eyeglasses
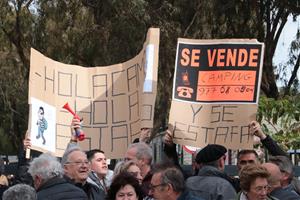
152 187
260 189
79 163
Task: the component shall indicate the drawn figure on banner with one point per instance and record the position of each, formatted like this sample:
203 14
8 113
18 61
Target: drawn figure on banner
185 92
42 124
185 78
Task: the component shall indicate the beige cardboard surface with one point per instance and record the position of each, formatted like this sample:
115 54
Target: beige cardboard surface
215 92
111 99
201 124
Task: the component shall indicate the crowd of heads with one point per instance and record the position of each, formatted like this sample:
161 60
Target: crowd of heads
136 177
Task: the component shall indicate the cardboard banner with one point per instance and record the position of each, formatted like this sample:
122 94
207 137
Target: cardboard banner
216 91
114 101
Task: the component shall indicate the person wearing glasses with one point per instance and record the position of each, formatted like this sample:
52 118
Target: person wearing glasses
276 190
47 174
77 166
254 183
168 183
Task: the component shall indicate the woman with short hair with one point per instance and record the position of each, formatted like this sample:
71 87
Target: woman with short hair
125 186
254 183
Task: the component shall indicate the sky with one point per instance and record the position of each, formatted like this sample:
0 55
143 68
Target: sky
287 35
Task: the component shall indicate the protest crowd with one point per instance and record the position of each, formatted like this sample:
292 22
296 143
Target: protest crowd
85 175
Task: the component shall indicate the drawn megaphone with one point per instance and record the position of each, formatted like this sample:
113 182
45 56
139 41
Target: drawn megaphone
78 131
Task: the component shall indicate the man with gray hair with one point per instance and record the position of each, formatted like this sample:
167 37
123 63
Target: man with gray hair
142 155
77 166
168 183
274 181
47 174
287 172
20 192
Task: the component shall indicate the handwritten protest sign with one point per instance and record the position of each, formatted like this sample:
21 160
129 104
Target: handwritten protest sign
215 91
114 101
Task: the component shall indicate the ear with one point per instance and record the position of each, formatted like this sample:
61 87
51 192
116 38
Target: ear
285 175
169 188
221 162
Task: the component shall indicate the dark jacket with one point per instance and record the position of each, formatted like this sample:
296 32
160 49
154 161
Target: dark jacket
93 192
186 195
94 180
272 146
2 190
58 188
280 193
210 184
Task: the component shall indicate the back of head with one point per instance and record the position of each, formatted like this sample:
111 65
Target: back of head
20 192
211 153
118 167
45 166
275 174
284 164
249 173
170 174
143 151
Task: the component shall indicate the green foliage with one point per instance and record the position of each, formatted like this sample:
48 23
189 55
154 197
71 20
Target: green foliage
6 146
280 118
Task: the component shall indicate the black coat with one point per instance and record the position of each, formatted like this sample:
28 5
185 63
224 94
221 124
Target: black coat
58 188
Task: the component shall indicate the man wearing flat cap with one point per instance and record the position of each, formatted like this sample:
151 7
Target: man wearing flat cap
211 183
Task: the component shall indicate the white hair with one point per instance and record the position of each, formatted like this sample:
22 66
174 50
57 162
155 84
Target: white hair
70 149
46 166
20 192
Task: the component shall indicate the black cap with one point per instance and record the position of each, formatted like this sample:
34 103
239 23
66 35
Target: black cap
211 152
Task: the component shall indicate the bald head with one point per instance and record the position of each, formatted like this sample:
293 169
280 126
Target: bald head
275 177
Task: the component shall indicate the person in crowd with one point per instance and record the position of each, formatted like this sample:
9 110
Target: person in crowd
3 178
125 186
144 136
142 155
169 148
168 183
286 168
266 140
22 175
130 167
77 166
48 179
254 183
20 192
211 181
76 170
250 156
246 157
99 169
276 189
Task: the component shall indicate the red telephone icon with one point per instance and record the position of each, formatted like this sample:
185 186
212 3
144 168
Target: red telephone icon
185 92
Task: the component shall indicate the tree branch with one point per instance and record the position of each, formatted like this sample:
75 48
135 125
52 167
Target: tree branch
293 77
